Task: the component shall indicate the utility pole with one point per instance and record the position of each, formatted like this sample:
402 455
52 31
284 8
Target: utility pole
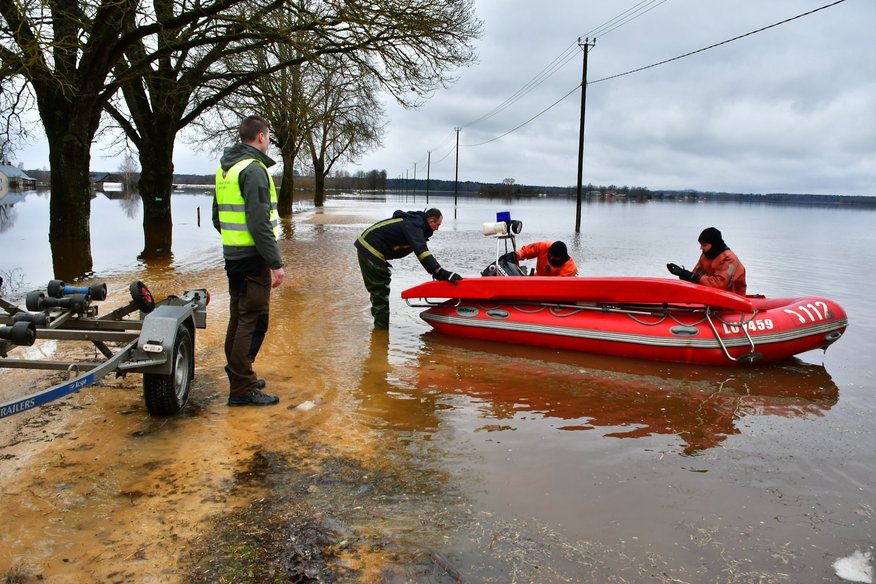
415 182
428 170
456 177
587 44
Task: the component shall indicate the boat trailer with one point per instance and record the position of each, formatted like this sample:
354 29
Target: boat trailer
158 342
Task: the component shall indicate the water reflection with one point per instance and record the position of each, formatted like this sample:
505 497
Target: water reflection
287 228
71 260
159 264
633 399
8 212
386 400
129 201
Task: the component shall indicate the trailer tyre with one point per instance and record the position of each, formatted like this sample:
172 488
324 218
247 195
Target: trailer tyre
166 395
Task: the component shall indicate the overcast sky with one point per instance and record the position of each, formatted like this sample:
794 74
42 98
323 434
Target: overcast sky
788 109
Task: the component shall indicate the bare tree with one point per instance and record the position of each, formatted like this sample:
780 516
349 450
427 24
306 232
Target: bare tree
14 101
67 54
129 171
278 98
345 119
328 106
407 47
167 57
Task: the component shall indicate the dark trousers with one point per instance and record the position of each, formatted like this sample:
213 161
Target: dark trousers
249 304
376 276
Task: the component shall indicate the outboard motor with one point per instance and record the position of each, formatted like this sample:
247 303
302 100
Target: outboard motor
504 229
503 268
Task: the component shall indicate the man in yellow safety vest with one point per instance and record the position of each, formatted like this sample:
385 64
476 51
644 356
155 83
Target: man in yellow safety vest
245 213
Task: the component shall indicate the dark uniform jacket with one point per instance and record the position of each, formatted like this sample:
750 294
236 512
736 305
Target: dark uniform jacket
394 238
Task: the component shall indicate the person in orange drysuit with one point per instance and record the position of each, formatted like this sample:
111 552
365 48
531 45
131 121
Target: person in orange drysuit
552 258
717 267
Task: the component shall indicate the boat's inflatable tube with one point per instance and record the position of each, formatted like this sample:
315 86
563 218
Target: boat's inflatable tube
617 290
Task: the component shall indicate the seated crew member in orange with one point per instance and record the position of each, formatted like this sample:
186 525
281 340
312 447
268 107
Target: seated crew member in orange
717 267
552 258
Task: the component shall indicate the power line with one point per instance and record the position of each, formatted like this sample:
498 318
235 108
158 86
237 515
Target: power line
567 55
540 78
717 44
449 152
624 17
448 137
555 65
657 64
632 13
574 89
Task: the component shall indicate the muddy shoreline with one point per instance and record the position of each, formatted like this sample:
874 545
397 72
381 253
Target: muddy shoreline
294 493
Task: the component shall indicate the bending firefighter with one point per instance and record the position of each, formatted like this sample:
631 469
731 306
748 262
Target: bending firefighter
394 238
717 267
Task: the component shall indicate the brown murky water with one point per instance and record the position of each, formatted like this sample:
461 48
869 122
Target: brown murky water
408 456
104 492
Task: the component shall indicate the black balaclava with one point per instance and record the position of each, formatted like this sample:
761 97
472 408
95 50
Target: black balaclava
713 236
558 250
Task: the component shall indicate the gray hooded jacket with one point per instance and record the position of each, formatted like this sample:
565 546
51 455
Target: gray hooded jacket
256 191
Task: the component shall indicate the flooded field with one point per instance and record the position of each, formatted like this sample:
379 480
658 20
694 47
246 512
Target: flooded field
409 456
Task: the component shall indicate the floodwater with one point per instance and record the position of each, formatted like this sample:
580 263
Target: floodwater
409 456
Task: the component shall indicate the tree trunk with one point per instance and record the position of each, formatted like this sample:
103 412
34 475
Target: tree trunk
318 183
70 196
156 187
287 188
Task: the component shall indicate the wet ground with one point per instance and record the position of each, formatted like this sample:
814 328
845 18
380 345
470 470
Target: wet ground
299 492
410 457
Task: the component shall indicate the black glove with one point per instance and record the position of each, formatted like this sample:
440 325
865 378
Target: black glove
682 274
447 275
510 257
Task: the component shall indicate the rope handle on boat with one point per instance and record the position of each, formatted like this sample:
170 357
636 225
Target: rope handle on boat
431 303
750 356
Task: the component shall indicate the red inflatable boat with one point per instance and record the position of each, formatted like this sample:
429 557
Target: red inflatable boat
646 318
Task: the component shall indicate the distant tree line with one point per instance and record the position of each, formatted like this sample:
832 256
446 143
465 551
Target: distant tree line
861 201
376 180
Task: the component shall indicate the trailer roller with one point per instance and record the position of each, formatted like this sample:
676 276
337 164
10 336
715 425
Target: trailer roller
20 333
58 289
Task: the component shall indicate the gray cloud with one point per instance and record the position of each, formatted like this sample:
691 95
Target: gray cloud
789 109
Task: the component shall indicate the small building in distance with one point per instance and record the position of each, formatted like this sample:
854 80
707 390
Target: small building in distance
105 181
13 178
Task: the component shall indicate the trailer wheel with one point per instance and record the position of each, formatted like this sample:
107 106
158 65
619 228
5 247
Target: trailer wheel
142 297
166 395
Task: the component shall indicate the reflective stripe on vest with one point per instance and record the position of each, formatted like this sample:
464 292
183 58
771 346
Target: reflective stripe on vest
378 225
232 207
730 271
